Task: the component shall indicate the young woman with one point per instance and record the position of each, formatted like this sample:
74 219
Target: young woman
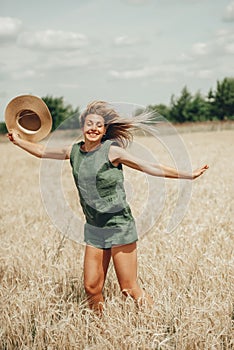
110 230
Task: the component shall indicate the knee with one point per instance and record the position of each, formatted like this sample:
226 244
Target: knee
93 288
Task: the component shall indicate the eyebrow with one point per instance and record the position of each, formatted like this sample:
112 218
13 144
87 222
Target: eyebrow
97 122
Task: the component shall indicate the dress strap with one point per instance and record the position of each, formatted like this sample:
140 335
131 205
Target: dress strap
106 146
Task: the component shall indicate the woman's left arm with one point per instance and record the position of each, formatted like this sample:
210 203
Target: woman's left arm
119 155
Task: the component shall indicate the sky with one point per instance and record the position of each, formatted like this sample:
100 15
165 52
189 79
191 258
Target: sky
133 51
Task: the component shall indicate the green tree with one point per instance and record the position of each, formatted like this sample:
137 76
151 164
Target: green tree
61 113
211 105
179 107
197 109
161 109
223 103
3 128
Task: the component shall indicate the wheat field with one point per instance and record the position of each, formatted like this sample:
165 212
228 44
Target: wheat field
188 272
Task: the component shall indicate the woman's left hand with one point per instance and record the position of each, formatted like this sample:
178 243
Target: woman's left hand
199 172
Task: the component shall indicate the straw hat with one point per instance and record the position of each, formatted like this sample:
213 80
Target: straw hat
29 116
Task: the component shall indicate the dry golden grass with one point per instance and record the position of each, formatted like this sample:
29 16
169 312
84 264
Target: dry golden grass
189 273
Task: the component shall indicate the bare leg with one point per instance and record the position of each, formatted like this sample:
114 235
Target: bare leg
96 262
125 263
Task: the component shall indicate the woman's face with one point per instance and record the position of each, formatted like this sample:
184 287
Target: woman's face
94 128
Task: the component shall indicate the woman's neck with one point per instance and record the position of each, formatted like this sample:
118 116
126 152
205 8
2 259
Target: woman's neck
90 146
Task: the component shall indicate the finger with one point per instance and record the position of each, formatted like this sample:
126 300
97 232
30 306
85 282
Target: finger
204 169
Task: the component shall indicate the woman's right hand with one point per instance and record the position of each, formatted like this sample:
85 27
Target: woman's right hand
13 137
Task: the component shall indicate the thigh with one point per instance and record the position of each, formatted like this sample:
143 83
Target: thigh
125 263
96 262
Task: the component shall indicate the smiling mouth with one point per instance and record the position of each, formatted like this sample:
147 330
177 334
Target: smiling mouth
93 133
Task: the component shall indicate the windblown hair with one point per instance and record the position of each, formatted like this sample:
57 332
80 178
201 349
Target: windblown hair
117 128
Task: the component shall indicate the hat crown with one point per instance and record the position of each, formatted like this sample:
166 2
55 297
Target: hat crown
28 121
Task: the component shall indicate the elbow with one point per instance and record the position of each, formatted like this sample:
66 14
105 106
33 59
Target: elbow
40 152
39 155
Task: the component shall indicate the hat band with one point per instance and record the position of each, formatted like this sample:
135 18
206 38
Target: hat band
28 121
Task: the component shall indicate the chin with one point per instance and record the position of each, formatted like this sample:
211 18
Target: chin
94 139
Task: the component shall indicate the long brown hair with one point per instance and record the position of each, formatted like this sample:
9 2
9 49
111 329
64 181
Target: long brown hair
117 128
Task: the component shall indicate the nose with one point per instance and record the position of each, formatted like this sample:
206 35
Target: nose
94 127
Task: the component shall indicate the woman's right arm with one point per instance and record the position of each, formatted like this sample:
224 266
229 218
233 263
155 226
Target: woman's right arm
39 150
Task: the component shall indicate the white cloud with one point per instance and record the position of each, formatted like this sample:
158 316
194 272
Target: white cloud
163 72
222 34
207 60
205 73
9 27
69 86
25 74
219 46
224 41
125 40
230 48
52 39
131 74
200 48
67 60
229 12
184 58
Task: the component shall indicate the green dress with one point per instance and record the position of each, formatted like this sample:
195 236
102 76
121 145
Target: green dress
100 185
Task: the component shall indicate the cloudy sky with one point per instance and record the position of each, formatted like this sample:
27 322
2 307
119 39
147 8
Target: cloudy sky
136 51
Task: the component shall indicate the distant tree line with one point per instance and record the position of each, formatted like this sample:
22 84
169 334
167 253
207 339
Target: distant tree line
217 105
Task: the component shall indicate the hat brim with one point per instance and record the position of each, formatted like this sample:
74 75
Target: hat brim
29 116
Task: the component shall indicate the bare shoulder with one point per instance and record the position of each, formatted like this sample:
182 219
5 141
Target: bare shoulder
115 154
116 150
118 155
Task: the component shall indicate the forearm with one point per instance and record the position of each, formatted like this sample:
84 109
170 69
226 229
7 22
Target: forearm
41 151
35 149
172 173
160 170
